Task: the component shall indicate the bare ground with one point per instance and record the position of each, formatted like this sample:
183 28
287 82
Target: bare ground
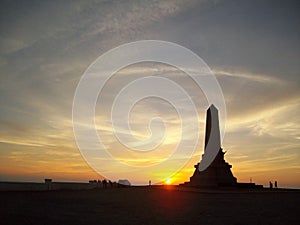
145 205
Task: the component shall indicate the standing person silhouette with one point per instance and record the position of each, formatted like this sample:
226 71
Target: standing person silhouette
104 182
271 185
275 184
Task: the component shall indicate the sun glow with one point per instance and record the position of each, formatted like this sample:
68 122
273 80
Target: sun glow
168 181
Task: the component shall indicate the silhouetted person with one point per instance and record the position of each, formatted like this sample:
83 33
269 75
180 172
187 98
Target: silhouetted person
104 182
271 185
275 184
110 183
149 182
99 183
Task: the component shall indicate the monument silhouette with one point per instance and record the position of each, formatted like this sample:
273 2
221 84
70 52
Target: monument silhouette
218 173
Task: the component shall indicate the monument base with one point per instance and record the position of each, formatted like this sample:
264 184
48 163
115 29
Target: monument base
217 174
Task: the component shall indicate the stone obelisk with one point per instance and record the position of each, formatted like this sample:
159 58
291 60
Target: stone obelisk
212 131
218 172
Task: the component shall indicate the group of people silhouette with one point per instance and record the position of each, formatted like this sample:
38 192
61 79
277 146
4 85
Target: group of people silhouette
275 184
104 183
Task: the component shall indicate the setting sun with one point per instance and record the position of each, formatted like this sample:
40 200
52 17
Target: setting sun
168 181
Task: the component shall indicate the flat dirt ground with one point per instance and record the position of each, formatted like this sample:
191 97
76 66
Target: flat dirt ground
150 205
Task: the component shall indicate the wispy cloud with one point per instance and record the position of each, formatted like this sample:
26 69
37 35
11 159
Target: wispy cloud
250 76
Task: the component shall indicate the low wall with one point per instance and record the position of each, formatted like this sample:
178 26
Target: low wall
72 186
22 186
30 186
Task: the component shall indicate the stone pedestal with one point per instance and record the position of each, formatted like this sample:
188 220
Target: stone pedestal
218 174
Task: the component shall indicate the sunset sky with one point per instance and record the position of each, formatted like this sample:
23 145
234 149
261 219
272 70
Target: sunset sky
252 47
